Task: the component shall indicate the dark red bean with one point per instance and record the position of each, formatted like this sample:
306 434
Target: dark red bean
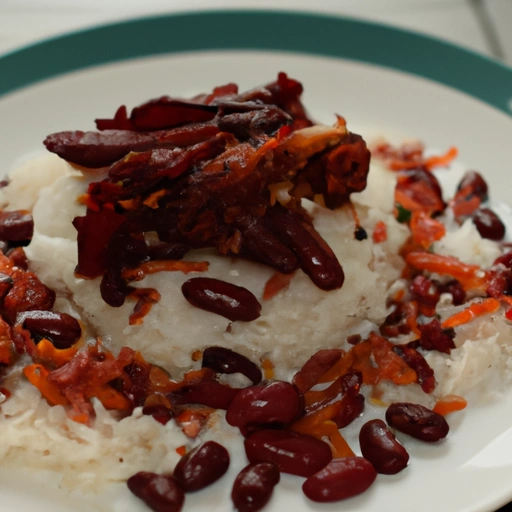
28 293
16 226
340 479
159 412
269 403
225 299
6 283
424 291
224 360
202 466
61 329
209 392
488 224
316 258
352 406
434 337
292 452
417 421
380 447
315 367
18 257
160 493
253 486
167 251
426 377
473 185
504 259
456 289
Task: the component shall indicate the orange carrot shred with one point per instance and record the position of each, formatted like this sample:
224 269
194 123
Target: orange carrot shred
152 267
38 376
340 447
181 450
276 283
489 305
450 403
380 232
47 353
441 160
146 298
472 277
425 230
268 369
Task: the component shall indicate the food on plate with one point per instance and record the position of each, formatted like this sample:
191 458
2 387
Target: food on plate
222 270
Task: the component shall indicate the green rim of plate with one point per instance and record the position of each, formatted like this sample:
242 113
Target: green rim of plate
332 36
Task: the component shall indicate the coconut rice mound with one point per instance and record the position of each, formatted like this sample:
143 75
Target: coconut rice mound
293 325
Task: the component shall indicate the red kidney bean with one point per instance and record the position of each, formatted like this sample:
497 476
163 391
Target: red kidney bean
268 403
263 246
167 251
61 329
18 257
340 479
315 257
6 283
28 293
161 493
315 367
202 466
456 289
225 299
224 360
352 406
210 393
488 224
292 452
380 447
253 486
417 421
16 226
434 337
473 185
159 412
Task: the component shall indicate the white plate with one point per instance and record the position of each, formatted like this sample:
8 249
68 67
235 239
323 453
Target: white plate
472 470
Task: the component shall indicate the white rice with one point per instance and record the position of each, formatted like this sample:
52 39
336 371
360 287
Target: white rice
293 325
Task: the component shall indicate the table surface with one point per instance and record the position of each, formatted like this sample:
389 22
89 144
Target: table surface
480 25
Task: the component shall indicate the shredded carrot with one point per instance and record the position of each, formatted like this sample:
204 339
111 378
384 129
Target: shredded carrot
376 361
425 230
110 398
311 421
276 283
340 447
450 403
380 232
197 355
193 420
313 397
152 267
181 450
472 277
152 199
489 305
441 160
129 204
146 298
268 369
354 213
467 207
37 375
45 352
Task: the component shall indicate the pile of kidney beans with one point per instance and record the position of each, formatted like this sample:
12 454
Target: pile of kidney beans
265 412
